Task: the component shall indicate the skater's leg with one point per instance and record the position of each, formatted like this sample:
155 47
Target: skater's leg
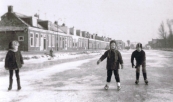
10 79
17 74
11 74
144 72
117 78
109 75
18 79
137 74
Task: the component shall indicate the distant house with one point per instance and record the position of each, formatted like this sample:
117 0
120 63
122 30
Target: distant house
157 43
32 33
120 44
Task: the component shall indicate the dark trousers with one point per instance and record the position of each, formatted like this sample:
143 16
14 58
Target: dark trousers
143 71
109 75
16 72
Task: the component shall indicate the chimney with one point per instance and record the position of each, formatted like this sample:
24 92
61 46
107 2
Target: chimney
10 9
63 24
56 22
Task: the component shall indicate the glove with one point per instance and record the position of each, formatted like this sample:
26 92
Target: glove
98 61
133 65
122 66
137 66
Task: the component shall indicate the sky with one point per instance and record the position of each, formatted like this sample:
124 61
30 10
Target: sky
134 20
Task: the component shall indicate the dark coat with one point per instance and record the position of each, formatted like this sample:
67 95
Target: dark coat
13 60
114 58
139 56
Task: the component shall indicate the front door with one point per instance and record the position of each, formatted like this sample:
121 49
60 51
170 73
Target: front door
42 43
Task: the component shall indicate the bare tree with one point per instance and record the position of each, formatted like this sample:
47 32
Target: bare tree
162 33
128 42
170 36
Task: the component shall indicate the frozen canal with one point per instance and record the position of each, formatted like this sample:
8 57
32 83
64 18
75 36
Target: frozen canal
83 81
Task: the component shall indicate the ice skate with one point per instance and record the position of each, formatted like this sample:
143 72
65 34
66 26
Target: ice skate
10 86
137 82
146 82
118 88
106 87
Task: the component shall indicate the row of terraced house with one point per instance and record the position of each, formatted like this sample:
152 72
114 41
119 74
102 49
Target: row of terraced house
35 34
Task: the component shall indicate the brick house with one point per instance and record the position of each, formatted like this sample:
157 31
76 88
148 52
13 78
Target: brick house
32 33
35 34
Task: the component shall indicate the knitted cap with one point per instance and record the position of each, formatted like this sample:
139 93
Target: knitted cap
139 45
113 41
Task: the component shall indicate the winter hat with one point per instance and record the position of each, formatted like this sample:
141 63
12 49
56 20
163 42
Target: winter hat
113 41
139 45
13 43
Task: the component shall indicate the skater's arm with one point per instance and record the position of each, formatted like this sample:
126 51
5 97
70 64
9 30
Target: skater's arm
120 59
132 59
21 58
7 60
102 57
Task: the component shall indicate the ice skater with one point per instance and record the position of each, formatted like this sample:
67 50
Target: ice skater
13 61
114 58
140 58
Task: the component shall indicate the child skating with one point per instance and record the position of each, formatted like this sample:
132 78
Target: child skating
140 58
13 62
114 58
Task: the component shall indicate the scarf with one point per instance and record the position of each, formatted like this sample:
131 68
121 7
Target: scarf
14 50
113 52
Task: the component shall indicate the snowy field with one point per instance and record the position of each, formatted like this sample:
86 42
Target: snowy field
83 81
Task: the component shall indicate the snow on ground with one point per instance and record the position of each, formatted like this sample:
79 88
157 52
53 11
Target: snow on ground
43 58
29 93
34 76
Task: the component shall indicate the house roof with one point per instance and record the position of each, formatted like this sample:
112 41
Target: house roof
11 28
17 15
21 15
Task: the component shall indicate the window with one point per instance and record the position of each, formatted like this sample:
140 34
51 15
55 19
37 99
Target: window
81 43
37 39
70 42
78 42
20 38
32 39
49 40
53 41
74 42
60 41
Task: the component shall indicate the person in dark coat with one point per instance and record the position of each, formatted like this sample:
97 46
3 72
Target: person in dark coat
140 58
114 58
13 61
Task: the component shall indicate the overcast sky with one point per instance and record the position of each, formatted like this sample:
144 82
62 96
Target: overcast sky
134 20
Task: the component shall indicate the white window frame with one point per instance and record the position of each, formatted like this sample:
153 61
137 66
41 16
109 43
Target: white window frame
60 40
49 40
67 41
20 39
31 45
53 40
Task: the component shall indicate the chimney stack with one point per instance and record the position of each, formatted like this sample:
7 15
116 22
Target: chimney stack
10 9
56 22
